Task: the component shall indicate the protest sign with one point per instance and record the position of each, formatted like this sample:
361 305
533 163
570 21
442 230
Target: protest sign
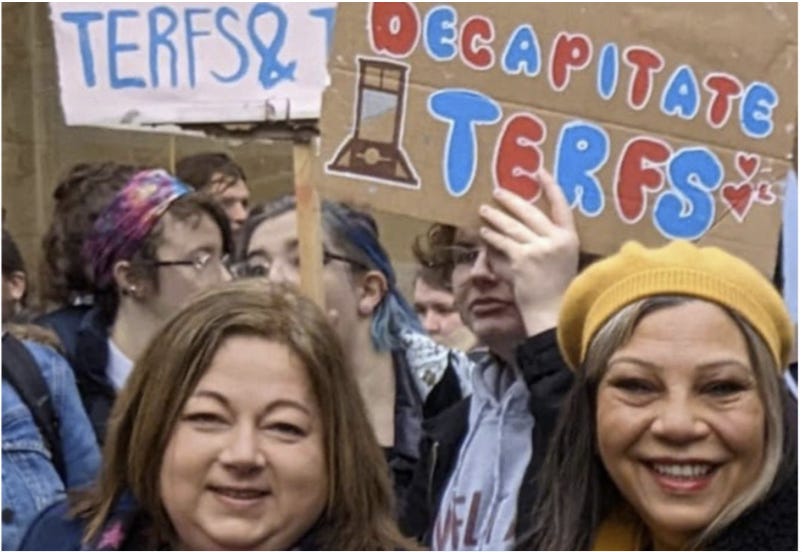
659 121
134 63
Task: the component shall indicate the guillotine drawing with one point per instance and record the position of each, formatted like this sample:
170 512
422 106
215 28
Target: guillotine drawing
374 149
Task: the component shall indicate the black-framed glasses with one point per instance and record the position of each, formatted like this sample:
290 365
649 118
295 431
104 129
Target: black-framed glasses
328 256
259 265
200 262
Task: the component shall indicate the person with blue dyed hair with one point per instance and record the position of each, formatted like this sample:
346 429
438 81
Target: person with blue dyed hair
403 375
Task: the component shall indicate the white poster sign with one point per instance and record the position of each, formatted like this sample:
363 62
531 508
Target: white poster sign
149 63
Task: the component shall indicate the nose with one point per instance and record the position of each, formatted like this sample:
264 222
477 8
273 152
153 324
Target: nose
242 450
237 213
280 272
431 322
225 273
678 421
482 268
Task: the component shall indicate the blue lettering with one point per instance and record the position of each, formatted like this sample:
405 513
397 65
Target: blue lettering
223 12
681 95
271 71
686 210
607 77
440 33
462 110
328 15
759 101
160 38
582 148
82 21
522 52
191 34
116 48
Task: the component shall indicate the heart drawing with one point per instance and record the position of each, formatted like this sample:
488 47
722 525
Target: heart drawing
765 194
738 197
746 164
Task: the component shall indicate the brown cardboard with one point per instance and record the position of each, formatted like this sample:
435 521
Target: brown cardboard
398 162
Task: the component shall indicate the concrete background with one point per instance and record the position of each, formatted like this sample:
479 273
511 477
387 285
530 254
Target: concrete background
38 148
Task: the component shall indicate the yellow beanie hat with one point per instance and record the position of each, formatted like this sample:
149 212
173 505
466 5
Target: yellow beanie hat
678 268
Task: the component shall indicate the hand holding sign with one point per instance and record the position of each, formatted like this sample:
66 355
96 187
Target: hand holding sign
539 254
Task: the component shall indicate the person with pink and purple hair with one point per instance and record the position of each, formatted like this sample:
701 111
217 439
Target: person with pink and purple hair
151 248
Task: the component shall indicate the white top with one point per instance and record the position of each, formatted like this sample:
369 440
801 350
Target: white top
119 366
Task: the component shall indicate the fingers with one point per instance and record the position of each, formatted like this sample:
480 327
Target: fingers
561 212
530 216
506 224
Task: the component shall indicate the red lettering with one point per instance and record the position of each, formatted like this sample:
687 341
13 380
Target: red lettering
637 175
568 51
475 30
518 156
470 526
645 62
442 529
394 28
725 88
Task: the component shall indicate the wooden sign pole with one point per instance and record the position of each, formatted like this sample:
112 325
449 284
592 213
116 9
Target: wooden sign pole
310 245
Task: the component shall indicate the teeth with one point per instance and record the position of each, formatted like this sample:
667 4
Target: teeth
243 494
683 470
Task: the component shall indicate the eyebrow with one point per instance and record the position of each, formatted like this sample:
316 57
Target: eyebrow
707 366
220 398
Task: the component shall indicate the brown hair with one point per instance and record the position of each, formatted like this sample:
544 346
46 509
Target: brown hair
188 207
198 170
359 508
84 192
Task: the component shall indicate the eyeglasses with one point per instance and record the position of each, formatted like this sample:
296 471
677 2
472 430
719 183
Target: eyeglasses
199 262
259 265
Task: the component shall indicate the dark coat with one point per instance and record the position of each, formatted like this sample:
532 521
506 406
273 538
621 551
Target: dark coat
89 360
548 379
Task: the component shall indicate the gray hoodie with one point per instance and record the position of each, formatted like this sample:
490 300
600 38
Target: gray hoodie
478 508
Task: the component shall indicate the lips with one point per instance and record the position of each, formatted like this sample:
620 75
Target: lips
682 477
485 306
239 494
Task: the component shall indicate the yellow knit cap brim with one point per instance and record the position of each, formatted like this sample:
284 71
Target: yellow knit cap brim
679 268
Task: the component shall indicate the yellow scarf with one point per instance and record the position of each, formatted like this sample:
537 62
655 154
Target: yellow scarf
620 530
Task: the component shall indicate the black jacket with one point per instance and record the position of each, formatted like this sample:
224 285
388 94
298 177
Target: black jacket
89 360
548 379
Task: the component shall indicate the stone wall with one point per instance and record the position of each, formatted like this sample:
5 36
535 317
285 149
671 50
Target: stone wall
38 148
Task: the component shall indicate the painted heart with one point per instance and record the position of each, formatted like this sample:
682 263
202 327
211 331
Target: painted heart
765 194
738 197
747 164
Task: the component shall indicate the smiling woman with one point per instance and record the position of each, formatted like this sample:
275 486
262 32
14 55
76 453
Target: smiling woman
678 433
240 428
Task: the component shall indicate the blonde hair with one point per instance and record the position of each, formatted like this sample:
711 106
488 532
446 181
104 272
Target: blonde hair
359 507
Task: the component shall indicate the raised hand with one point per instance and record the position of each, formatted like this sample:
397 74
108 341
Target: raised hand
538 254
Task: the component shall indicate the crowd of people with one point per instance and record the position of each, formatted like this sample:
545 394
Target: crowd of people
177 391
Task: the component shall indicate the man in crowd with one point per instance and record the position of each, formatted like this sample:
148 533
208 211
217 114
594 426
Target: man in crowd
218 175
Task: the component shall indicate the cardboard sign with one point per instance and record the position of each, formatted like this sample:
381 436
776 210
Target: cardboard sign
191 62
659 121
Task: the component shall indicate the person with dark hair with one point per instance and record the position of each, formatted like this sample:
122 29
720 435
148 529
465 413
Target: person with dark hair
151 248
433 301
78 200
40 461
678 433
242 428
481 457
403 374
218 175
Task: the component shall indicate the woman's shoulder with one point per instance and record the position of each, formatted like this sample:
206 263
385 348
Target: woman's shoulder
54 529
